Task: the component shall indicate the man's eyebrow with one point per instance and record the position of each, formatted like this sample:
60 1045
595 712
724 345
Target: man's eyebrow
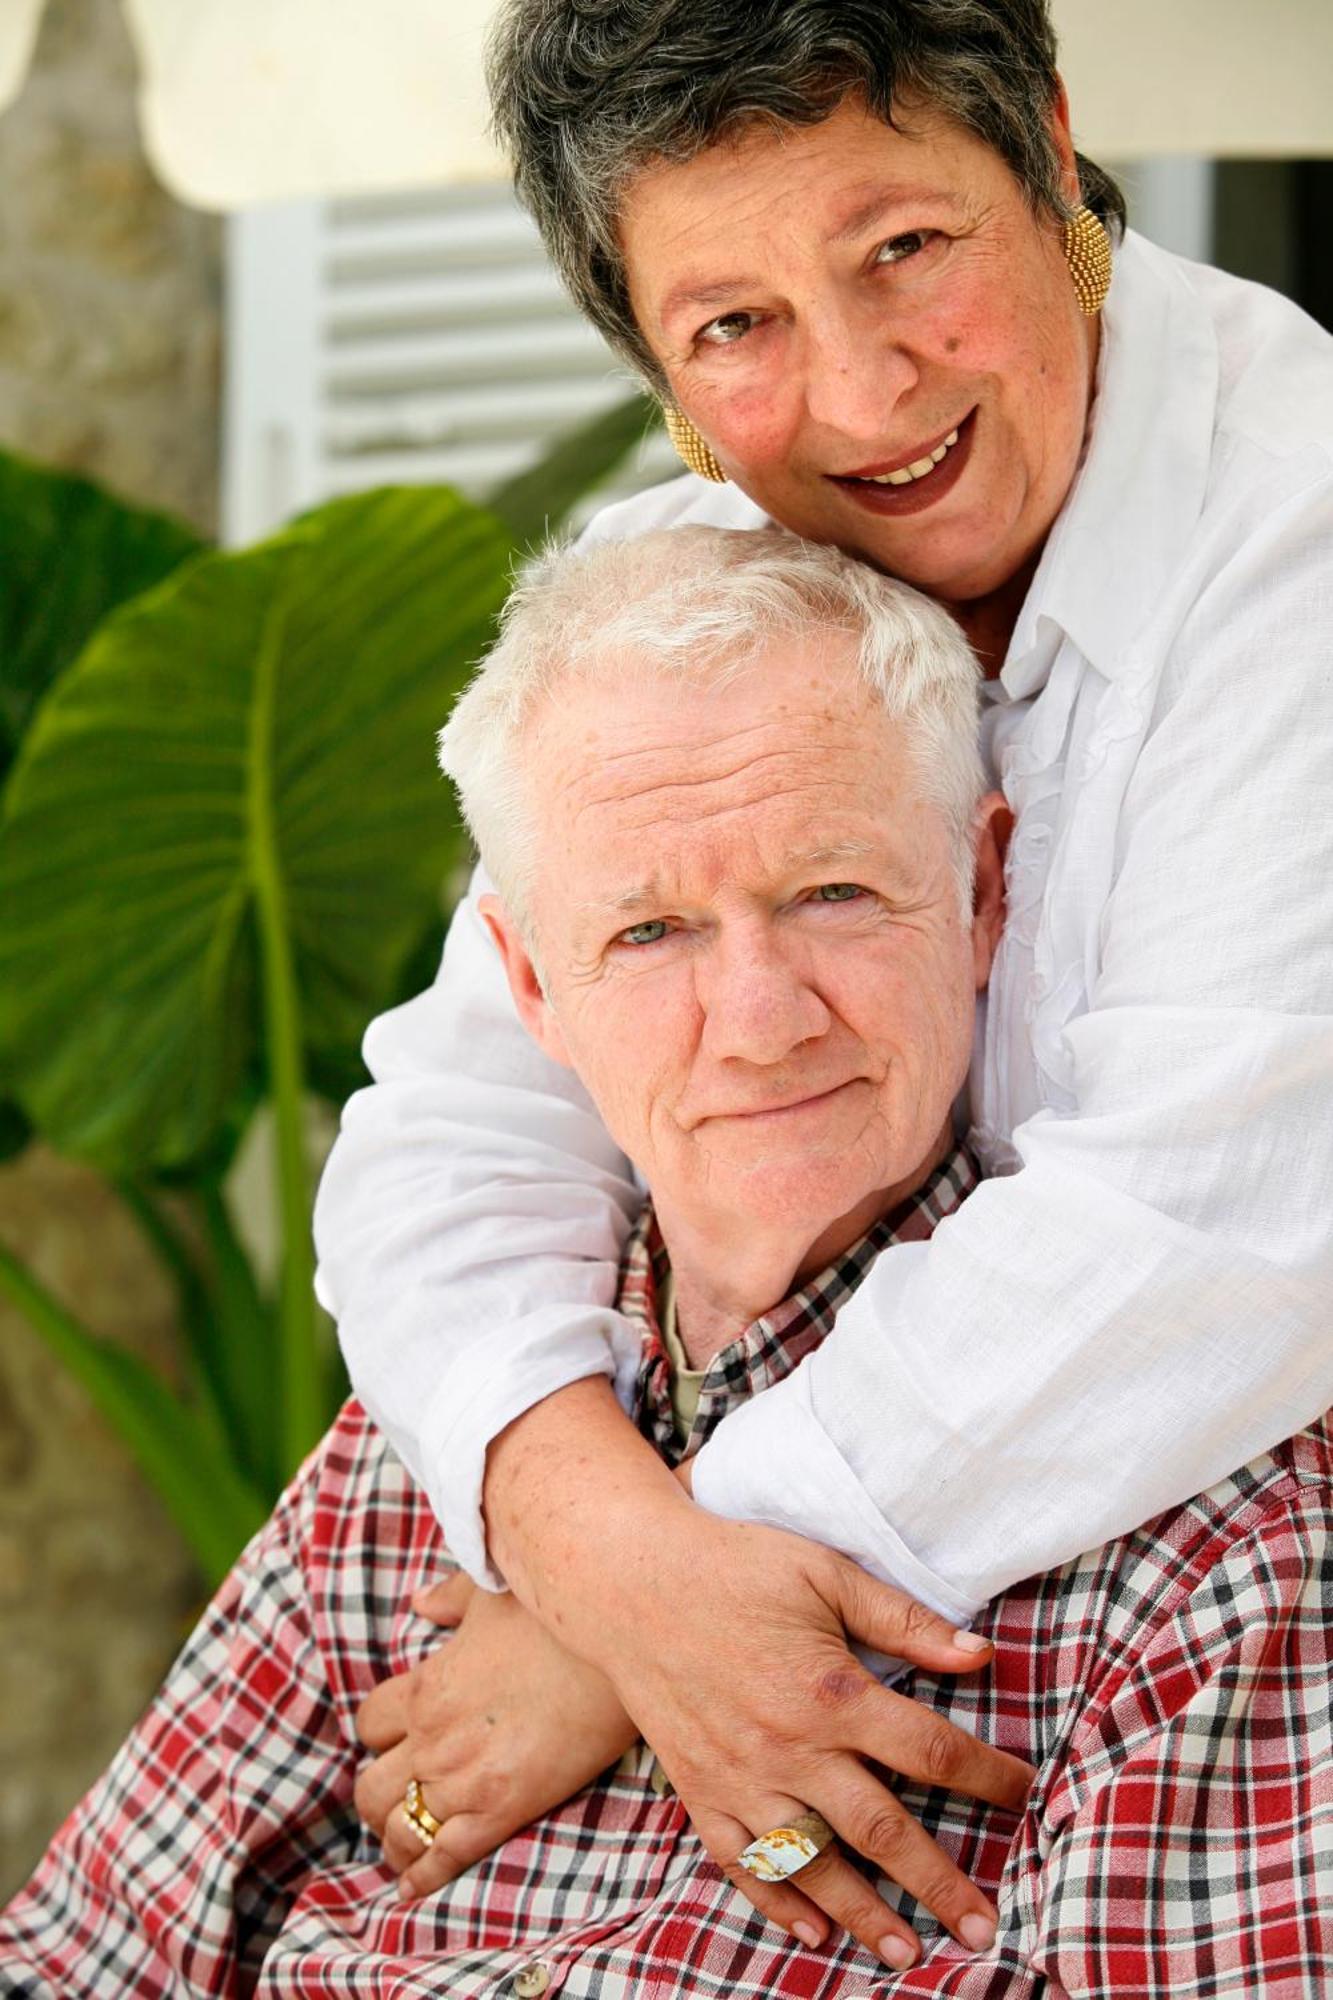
652 895
801 858
639 896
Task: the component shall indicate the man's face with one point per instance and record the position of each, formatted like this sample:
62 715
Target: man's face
753 953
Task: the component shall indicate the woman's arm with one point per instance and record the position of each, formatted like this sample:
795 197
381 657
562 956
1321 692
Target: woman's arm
1139 1310
1145 1305
469 1226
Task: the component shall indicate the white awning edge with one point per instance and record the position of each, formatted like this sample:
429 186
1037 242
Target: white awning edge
19 21
247 101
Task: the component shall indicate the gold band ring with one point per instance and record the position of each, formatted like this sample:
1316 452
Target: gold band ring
786 1850
419 1815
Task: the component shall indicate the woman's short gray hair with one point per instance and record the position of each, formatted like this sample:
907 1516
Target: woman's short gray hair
585 93
702 604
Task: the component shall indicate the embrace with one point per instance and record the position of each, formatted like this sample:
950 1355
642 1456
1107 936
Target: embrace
748 884
879 1541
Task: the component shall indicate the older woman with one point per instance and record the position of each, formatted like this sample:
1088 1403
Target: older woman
853 248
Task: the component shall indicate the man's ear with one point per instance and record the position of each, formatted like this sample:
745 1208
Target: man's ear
534 1009
992 827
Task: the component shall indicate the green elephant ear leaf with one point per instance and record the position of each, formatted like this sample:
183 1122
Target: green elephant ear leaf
72 553
539 501
237 775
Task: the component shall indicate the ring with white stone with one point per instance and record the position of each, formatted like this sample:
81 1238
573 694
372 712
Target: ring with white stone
784 1851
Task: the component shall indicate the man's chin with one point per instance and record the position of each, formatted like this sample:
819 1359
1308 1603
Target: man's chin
800 1200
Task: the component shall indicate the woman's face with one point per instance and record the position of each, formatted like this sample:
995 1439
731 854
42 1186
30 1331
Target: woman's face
839 303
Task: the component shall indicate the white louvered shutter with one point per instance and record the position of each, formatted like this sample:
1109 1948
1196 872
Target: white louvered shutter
419 337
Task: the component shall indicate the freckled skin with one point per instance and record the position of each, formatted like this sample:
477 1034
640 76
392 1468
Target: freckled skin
781 1065
813 356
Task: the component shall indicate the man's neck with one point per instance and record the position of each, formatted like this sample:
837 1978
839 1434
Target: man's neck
725 1278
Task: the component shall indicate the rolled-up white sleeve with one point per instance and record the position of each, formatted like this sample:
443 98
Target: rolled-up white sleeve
469 1227
1148 1302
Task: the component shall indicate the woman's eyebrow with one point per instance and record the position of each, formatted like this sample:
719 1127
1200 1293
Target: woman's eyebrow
717 293
882 202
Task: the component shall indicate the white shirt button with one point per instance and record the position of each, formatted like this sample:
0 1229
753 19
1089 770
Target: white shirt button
530 1980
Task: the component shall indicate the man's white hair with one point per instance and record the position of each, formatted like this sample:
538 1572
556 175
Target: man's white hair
702 605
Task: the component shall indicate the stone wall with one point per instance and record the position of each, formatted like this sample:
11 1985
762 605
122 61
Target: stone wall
109 344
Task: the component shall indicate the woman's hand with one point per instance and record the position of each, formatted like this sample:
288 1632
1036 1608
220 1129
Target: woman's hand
728 1645
737 1670
498 1726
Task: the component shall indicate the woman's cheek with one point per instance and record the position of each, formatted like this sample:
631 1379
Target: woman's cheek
754 422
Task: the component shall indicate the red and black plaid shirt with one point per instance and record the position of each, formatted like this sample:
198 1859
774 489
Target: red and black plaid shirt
1173 1687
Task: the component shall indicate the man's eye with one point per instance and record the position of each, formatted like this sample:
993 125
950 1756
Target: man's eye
650 932
899 248
838 892
726 329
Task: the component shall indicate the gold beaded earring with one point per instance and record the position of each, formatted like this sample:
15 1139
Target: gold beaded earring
1088 255
696 452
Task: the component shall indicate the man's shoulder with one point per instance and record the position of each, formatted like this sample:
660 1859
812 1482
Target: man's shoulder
687 501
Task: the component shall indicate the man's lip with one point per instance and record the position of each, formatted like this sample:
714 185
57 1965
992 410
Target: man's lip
906 458
791 1104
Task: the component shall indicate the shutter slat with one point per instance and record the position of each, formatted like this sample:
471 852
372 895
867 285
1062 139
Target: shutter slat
435 345
517 410
396 368
390 307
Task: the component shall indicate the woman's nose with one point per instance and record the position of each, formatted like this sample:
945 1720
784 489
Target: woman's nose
758 1005
855 378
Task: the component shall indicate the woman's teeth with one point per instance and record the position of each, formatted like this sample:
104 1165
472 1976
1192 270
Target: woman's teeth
917 469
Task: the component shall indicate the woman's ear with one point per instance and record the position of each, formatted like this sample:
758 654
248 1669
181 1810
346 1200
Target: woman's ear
1062 139
991 830
525 983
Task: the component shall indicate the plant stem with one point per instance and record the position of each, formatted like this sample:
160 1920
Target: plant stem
212 1504
299 1367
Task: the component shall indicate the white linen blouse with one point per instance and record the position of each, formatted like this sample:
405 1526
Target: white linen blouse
1141 1298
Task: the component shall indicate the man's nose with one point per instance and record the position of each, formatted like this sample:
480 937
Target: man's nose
758 1003
855 376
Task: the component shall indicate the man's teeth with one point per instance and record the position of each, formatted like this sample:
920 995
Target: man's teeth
917 469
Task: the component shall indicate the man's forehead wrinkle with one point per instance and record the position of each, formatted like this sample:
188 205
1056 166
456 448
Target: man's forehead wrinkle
727 752
637 784
677 811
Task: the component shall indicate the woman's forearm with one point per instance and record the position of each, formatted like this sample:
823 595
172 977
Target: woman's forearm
577 1505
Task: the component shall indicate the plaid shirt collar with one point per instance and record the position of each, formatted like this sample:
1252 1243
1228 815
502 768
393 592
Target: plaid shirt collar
780 1340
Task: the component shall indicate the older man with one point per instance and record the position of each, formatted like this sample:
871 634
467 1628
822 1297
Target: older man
748 889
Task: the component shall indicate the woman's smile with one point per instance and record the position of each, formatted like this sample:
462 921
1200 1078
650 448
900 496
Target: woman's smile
920 482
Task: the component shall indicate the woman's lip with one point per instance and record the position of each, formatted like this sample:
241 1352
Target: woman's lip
906 459
921 493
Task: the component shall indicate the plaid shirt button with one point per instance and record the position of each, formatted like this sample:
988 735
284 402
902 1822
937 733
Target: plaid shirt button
530 1980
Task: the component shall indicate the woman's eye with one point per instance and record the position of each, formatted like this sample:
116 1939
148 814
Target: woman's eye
899 248
726 329
650 932
838 892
